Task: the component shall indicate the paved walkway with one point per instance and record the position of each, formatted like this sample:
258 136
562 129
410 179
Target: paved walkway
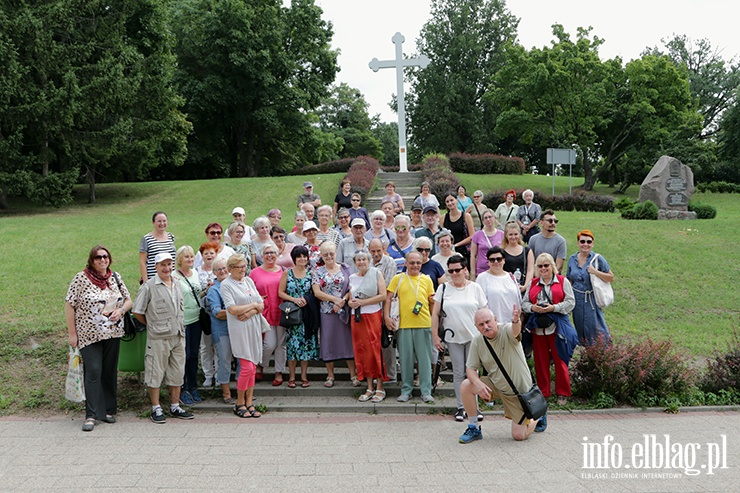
302 452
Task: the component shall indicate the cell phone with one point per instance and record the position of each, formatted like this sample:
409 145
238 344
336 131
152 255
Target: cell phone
417 308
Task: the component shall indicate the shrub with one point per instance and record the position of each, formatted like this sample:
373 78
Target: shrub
703 211
635 372
642 210
578 201
723 370
436 170
328 167
362 174
484 164
719 187
625 203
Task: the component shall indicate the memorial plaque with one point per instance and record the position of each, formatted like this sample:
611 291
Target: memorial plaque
669 185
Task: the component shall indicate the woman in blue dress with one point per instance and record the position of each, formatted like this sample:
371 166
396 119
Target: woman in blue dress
587 316
301 341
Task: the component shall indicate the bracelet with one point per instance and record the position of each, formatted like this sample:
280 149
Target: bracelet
515 321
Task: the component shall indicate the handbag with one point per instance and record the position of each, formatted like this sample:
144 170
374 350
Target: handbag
131 326
533 402
395 310
603 292
387 338
74 389
204 319
290 314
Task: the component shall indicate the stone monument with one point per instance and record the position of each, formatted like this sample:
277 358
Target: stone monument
669 185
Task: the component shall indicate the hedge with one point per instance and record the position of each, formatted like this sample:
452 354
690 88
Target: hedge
719 187
436 170
579 201
336 166
485 164
362 174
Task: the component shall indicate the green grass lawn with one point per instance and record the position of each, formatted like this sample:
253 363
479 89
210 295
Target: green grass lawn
672 277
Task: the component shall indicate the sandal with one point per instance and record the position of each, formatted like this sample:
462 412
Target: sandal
329 382
241 411
277 383
355 382
379 396
366 396
253 412
89 424
291 384
305 384
228 399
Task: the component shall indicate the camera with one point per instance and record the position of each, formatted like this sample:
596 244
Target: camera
358 318
417 308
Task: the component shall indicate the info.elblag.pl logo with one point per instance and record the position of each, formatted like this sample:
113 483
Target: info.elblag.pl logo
653 457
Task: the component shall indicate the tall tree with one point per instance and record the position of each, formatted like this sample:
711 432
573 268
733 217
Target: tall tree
387 134
713 80
251 71
464 39
344 114
558 96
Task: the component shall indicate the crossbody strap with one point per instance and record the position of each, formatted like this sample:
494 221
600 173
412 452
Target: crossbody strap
195 296
501 367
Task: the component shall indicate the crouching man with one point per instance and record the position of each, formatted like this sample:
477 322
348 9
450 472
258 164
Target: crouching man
159 305
505 339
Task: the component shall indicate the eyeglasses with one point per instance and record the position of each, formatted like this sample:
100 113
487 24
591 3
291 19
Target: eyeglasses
496 259
214 233
583 242
278 237
328 254
423 249
220 269
455 271
543 266
552 221
269 253
401 228
413 263
240 267
101 257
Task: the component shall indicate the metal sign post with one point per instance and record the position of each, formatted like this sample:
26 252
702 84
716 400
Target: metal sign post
559 157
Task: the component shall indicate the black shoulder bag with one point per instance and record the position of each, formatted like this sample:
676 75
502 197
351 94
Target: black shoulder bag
533 402
131 326
204 320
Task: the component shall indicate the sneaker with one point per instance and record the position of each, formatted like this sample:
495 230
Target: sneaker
186 399
427 399
472 433
180 413
196 396
460 415
158 416
541 424
404 398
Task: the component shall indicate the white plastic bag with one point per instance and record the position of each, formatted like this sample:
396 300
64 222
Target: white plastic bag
75 386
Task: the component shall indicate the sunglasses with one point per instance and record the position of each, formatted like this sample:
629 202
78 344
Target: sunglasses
214 233
400 228
455 271
355 200
496 259
584 242
423 249
101 257
543 266
552 221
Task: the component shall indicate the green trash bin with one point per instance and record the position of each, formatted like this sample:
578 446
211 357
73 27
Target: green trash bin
131 355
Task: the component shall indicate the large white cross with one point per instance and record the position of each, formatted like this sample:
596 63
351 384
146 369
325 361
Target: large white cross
399 63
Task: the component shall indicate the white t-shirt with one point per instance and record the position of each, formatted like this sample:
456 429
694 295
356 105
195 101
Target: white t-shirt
502 293
460 305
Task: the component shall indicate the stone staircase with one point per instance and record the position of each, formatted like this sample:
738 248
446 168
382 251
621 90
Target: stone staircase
342 398
407 186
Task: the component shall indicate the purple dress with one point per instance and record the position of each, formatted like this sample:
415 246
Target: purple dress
335 336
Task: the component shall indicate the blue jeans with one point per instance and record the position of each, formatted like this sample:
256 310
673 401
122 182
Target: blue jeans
192 351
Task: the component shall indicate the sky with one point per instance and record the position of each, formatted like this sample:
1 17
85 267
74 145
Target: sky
363 30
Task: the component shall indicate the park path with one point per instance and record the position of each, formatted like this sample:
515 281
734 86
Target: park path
360 452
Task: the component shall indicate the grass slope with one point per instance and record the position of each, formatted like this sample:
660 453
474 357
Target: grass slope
672 277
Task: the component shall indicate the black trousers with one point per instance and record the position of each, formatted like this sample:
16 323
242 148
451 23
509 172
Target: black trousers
100 361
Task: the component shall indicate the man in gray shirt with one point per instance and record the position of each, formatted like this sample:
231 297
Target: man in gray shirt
548 241
308 197
349 246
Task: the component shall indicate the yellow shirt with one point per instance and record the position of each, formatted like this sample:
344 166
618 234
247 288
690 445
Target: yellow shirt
411 289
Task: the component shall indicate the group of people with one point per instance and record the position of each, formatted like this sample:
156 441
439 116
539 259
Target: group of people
435 284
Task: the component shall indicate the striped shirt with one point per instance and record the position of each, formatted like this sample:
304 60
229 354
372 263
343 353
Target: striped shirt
151 246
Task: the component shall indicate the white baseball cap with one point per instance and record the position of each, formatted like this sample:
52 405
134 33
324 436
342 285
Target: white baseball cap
161 257
238 210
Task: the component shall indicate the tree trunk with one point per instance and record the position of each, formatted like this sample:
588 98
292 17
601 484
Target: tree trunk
4 197
91 184
251 168
588 175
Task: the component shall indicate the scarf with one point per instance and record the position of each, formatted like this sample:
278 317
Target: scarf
101 281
